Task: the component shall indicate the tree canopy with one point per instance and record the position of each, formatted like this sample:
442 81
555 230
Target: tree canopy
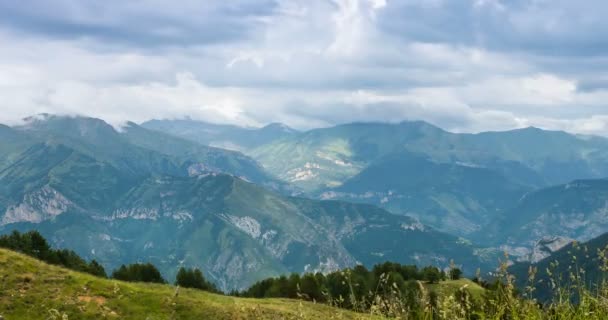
138 272
193 278
32 243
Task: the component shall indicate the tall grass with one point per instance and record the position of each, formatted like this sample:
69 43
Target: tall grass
572 297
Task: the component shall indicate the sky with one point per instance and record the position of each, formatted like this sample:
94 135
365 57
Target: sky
464 65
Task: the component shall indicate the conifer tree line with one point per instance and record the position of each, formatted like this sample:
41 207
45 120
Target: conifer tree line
357 281
319 287
33 244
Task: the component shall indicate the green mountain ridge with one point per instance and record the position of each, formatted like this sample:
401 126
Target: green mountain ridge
578 263
555 157
464 183
576 210
462 199
138 151
236 231
137 194
224 136
117 210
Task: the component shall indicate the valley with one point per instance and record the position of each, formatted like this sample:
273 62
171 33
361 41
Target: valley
318 200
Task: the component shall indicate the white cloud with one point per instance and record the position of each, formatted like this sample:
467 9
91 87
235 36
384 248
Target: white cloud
313 63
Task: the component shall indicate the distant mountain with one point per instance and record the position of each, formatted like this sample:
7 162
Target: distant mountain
555 156
325 158
236 231
138 151
455 198
224 136
585 261
577 210
13 143
141 195
454 182
200 159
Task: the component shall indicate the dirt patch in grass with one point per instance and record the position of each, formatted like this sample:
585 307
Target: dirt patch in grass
97 299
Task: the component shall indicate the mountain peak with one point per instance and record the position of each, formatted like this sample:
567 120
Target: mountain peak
529 129
68 125
37 118
277 126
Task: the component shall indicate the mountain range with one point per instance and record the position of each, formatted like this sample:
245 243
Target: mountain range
223 136
282 200
137 194
578 263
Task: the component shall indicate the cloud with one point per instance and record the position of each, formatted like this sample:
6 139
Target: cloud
463 65
137 25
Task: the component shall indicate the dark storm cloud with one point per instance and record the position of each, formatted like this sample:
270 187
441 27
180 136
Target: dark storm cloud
138 24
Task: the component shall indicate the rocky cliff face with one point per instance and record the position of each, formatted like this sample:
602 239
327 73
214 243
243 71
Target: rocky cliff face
37 206
236 231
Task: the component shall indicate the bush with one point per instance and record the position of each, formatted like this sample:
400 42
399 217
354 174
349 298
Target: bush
431 274
455 274
193 278
138 273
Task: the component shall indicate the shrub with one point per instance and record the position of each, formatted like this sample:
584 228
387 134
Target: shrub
193 278
138 273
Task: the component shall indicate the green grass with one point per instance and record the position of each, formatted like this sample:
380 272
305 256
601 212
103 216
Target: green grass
447 288
31 289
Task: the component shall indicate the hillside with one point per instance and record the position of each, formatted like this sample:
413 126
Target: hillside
141 195
457 183
452 197
133 150
576 210
34 290
323 158
223 136
576 263
238 232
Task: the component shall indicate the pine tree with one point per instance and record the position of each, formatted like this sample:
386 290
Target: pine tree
193 278
138 273
97 269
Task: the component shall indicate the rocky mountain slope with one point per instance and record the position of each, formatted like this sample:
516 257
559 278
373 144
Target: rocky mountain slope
138 195
458 183
578 263
455 198
470 185
236 231
136 150
323 158
576 210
